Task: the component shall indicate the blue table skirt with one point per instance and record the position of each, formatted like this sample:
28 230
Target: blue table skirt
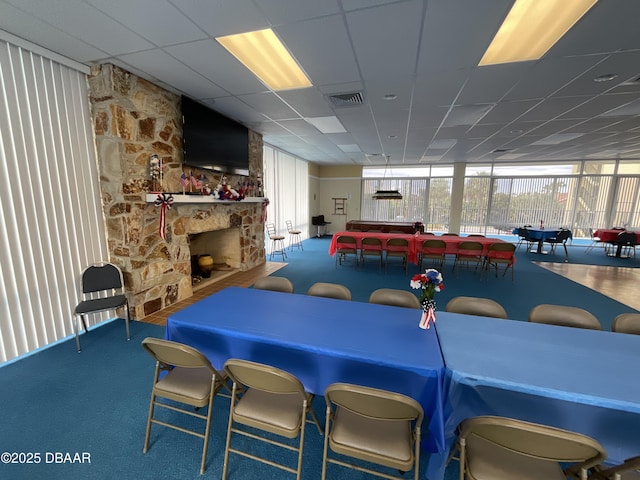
322 341
580 380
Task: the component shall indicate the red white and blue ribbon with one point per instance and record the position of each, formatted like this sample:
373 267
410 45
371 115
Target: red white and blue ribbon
428 317
164 201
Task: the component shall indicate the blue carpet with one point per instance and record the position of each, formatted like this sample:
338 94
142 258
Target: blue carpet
533 285
94 404
56 401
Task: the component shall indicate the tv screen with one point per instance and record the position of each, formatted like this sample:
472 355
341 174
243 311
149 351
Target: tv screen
213 141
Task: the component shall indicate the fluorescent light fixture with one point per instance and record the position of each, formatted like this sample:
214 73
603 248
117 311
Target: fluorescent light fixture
631 108
267 58
557 138
329 124
350 148
463 115
532 27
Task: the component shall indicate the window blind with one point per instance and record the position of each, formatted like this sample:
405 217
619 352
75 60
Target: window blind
51 220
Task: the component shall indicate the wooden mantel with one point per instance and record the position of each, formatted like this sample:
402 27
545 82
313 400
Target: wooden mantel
184 198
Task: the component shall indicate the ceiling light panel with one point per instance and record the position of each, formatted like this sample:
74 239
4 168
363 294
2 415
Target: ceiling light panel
329 124
532 27
267 58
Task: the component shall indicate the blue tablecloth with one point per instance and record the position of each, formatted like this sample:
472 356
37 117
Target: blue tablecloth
321 341
581 380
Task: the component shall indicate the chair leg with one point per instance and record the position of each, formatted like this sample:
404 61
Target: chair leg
127 319
76 320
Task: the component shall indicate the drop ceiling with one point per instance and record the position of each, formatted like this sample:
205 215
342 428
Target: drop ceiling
400 76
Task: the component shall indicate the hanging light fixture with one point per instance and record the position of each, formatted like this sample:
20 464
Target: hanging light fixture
386 194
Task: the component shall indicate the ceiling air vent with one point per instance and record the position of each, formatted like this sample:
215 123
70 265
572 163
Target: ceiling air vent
351 99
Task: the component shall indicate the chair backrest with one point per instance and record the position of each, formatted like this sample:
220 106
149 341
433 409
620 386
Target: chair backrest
395 298
450 234
176 354
275 284
329 290
289 226
502 249
397 244
263 377
346 241
476 235
563 235
317 220
434 246
371 243
483 307
535 440
470 248
626 323
374 403
627 238
271 229
564 316
100 277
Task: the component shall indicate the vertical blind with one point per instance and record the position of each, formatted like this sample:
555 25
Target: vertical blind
51 220
286 184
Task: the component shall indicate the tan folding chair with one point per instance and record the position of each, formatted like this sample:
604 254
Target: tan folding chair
346 245
469 253
499 448
501 254
101 290
564 316
434 250
272 401
394 298
190 379
626 323
629 470
397 247
372 425
329 290
371 247
483 307
275 284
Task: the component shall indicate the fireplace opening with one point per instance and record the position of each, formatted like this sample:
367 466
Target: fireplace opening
214 255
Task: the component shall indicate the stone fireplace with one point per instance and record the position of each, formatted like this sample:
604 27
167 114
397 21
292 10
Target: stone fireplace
223 248
133 120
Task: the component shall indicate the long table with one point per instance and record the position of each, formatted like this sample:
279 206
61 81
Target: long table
415 242
577 379
321 341
611 236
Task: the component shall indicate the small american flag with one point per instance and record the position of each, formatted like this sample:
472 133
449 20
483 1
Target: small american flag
196 182
184 180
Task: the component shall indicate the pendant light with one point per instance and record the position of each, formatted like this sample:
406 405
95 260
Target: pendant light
386 194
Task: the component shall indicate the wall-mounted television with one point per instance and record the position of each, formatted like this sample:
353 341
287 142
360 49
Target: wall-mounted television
213 141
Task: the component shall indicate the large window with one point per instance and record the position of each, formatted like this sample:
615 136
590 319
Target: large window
286 184
426 195
498 197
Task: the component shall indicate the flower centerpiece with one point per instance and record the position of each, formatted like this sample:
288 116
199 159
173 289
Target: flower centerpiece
429 283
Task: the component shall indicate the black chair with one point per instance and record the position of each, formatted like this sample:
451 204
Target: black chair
626 244
101 290
525 237
561 238
319 222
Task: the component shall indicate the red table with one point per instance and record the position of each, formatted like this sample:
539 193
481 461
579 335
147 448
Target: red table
610 235
415 242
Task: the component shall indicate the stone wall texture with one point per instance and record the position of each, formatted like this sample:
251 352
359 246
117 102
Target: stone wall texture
133 120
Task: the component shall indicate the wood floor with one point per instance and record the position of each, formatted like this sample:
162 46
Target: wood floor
618 283
239 279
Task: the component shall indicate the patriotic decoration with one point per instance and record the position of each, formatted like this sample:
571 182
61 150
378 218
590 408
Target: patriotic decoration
184 180
265 204
429 283
196 182
164 201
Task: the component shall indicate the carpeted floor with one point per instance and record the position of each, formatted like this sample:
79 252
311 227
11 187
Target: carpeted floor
94 404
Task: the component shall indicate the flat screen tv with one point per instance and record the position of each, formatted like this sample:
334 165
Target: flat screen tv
213 141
